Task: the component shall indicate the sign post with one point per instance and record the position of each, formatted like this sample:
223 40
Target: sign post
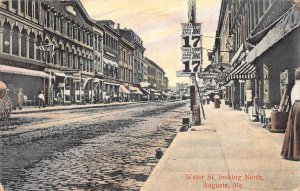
191 56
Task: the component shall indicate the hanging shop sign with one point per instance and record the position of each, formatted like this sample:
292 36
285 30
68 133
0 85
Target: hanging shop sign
207 75
191 47
77 77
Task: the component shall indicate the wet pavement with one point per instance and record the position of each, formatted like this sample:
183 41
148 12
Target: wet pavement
95 149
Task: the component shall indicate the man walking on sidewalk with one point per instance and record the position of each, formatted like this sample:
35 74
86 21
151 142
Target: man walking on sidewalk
41 98
20 99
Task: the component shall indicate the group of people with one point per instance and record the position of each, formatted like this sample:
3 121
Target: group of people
19 99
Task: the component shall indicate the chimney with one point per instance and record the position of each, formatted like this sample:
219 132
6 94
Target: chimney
118 26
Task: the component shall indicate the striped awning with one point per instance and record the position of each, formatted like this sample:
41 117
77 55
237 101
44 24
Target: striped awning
135 90
123 89
243 71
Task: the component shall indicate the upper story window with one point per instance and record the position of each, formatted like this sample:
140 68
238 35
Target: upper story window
74 32
22 8
15 5
29 8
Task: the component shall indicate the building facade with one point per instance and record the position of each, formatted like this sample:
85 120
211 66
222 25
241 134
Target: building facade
57 48
138 55
259 40
21 31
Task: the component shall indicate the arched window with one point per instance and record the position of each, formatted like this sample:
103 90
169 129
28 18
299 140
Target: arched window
31 45
38 51
55 23
47 54
6 42
24 43
61 55
68 59
74 59
55 56
15 42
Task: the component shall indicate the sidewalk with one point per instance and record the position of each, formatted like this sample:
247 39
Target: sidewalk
32 109
227 143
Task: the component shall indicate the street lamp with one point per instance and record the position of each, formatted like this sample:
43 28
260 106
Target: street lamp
6 43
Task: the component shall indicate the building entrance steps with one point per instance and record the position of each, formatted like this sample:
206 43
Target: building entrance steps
226 152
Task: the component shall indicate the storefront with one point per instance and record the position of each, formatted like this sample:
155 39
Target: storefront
135 93
30 82
111 92
124 93
276 57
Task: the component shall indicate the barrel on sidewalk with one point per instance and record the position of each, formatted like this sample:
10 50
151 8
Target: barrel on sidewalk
217 101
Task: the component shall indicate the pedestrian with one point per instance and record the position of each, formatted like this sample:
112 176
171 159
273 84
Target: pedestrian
291 144
203 100
41 98
20 99
59 98
207 99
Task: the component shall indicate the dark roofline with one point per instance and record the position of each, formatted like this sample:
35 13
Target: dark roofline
152 62
220 21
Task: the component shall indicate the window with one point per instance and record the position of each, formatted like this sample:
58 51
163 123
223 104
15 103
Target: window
91 40
29 7
38 43
83 37
62 26
15 43
6 33
15 5
37 12
31 46
23 43
79 34
74 32
22 8
55 23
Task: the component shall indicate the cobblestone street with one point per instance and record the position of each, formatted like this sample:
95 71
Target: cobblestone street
110 148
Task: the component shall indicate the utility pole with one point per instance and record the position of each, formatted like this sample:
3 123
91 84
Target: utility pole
193 96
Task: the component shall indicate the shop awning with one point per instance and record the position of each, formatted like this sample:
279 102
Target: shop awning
60 74
110 62
23 71
145 92
108 83
123 89
243 72
289 22
85 82
135 90
96 80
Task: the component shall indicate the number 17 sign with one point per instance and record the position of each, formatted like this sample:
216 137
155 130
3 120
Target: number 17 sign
191 47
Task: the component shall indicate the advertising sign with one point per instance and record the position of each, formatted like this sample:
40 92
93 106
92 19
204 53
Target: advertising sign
207 75
191 47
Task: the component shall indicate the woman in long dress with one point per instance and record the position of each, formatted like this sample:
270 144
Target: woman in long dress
291 143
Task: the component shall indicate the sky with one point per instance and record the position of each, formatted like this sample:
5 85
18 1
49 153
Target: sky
158 23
